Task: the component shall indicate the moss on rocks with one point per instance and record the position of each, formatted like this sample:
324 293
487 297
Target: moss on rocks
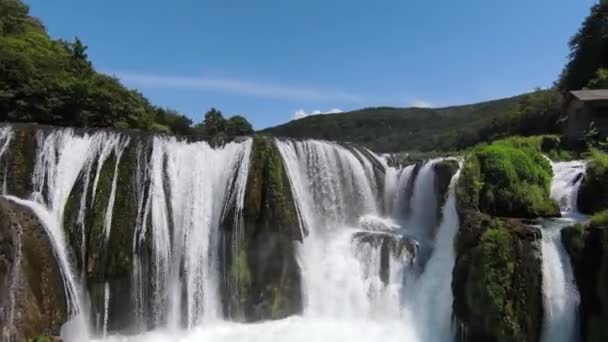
588 250
503 180
263 275
40 303
21 159
497 280
593 192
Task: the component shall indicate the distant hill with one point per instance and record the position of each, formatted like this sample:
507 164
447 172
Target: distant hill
386 129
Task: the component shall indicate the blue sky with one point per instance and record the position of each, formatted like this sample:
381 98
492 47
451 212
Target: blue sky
272 59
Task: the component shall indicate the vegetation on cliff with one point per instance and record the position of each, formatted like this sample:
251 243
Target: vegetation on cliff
588 250
386 129
497 280
262 272
507 178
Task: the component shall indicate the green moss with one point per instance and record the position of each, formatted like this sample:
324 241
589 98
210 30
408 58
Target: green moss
119 261
264 271
489 292
469 184
593 193
23 159
240 272
508 178
43 338
588 250
600 219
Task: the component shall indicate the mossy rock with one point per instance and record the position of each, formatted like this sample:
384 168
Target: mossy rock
21 156
497 280
507 181
263 277
40 303
593 192
588 250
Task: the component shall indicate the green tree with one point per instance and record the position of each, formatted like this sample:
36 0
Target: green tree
238 125
600 81
588 50
214 123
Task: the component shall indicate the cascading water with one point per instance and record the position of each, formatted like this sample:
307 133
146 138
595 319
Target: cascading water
430 295
365 228
6 135
342 275
189 185
560 294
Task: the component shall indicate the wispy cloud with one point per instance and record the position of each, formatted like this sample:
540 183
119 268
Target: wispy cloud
243 87
422 104
301 113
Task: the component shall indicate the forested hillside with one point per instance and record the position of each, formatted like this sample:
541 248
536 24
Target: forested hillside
452 128
388 129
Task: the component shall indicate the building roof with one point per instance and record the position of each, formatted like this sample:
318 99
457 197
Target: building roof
588 95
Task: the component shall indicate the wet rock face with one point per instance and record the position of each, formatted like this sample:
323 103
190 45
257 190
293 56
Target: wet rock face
588 250
497 280
592 196
389 245
32 299
262 275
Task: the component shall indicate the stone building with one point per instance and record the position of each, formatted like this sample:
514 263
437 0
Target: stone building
584 109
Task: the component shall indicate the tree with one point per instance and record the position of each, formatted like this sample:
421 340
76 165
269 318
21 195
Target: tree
588 50
600 81
214 123
238 125
79 50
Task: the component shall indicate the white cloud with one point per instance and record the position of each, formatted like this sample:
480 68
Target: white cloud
422 104
300 113
243 87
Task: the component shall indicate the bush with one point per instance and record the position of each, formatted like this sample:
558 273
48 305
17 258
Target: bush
600 219
508 178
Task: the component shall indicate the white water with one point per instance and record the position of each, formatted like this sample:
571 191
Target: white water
106 307
182 192
332 190
293 329
6 136
561 297
430 296
189 185
341 278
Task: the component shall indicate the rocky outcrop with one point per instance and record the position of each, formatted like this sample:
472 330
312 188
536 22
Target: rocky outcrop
497 280
444 171
588 250
32 299
507 181
261 272
593 192
390 245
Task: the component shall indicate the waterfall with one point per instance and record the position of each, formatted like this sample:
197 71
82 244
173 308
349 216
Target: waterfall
560 295
430 295
342 266
189 185
332 189
6 135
